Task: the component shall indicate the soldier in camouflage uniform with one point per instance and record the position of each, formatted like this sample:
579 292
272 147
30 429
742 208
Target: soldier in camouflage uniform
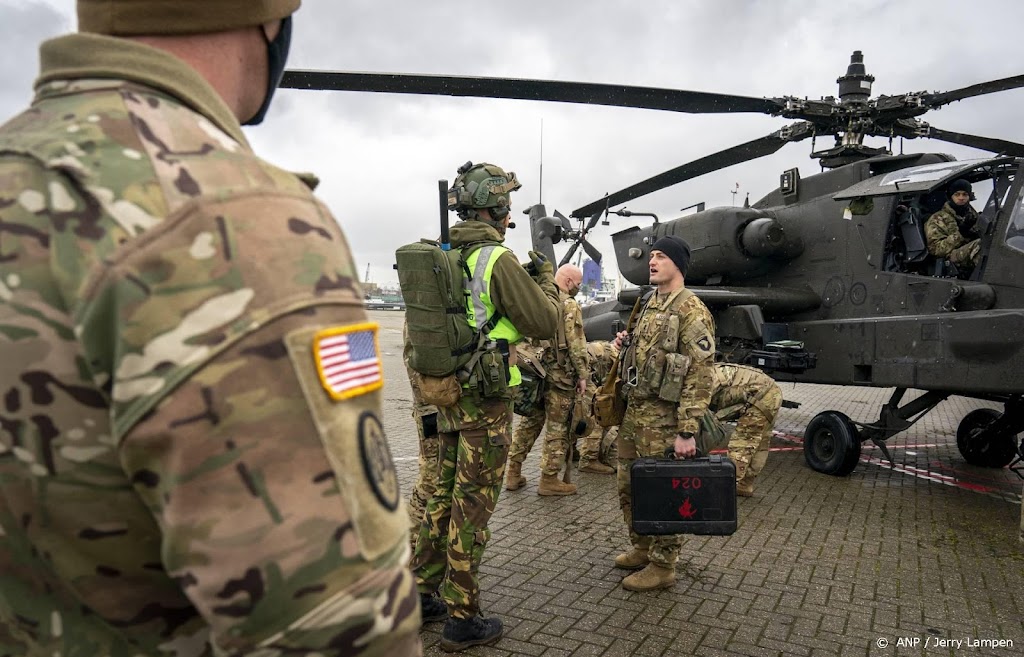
567 365
597 454
750 398
667 373
475 433
952 231
425 417
182 470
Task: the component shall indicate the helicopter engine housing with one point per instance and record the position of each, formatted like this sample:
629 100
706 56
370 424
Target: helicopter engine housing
726 244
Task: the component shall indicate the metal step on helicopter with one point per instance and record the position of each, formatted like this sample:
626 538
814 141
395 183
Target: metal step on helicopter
826 279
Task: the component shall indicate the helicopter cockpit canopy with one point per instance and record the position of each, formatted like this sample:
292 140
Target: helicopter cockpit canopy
921 179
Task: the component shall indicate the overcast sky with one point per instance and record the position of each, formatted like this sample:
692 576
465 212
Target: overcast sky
380 155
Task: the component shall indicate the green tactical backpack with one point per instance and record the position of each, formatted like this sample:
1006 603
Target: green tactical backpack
433 285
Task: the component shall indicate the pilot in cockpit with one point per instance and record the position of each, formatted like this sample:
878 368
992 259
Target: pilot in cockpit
951 232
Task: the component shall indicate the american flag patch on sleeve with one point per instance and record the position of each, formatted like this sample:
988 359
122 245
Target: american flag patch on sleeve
348 360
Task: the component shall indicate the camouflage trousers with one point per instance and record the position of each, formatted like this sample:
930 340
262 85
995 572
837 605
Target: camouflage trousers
557 406
748 445
601 445
454 533
648 427
966 256
426 478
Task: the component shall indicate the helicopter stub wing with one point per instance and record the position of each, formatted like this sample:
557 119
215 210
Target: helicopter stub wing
772 300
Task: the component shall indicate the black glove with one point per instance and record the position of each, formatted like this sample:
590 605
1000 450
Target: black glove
540 264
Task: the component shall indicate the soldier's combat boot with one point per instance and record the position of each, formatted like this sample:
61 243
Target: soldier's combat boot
552 485
514 478
461 633
632 560
651 578
432 608
744 489
597 468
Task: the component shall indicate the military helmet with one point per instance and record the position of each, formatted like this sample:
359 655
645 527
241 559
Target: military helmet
162 17
482 186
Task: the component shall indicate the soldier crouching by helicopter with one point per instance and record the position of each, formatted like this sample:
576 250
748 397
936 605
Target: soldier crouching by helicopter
598 454
565 362
951 232
752 399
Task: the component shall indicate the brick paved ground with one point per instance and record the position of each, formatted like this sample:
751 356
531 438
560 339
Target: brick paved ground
925 550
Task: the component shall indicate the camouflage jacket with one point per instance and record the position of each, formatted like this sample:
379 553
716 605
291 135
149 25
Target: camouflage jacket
735 387
946 231
601 355
565 357
671 354
531 305
177 473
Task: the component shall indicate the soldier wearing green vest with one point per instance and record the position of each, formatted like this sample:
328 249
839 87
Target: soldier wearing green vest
475 434
183 467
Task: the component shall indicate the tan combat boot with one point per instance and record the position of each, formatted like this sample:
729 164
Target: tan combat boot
552 485
597 468
651 578
745 488
632 560
514 479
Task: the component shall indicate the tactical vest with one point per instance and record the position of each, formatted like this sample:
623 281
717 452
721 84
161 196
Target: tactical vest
480 264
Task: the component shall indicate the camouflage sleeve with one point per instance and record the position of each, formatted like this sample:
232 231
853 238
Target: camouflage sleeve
269 476
574 335
532 307
942 235
696 340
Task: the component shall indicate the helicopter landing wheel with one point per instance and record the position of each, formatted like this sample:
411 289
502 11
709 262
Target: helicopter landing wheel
832 444
989 452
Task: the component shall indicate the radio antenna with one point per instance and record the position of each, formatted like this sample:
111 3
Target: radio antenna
540 193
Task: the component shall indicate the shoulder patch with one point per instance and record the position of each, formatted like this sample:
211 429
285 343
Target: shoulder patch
348 360
377 462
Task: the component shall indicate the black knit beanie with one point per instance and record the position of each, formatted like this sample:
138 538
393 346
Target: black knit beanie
676 249
958 185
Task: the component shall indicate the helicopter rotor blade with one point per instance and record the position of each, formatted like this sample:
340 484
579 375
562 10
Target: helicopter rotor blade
616 95
568 254
1001 146
750 150
596 217
591 251
566 224
992 86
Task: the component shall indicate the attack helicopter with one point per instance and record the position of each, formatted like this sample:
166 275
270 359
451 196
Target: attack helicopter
825 279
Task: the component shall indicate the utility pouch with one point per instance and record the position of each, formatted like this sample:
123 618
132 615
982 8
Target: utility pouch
676 367
670 334
651 373
609 405
491 374
439 390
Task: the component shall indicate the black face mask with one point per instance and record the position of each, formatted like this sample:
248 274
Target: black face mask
277 55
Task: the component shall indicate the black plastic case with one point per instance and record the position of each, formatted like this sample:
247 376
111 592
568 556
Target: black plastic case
694 496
